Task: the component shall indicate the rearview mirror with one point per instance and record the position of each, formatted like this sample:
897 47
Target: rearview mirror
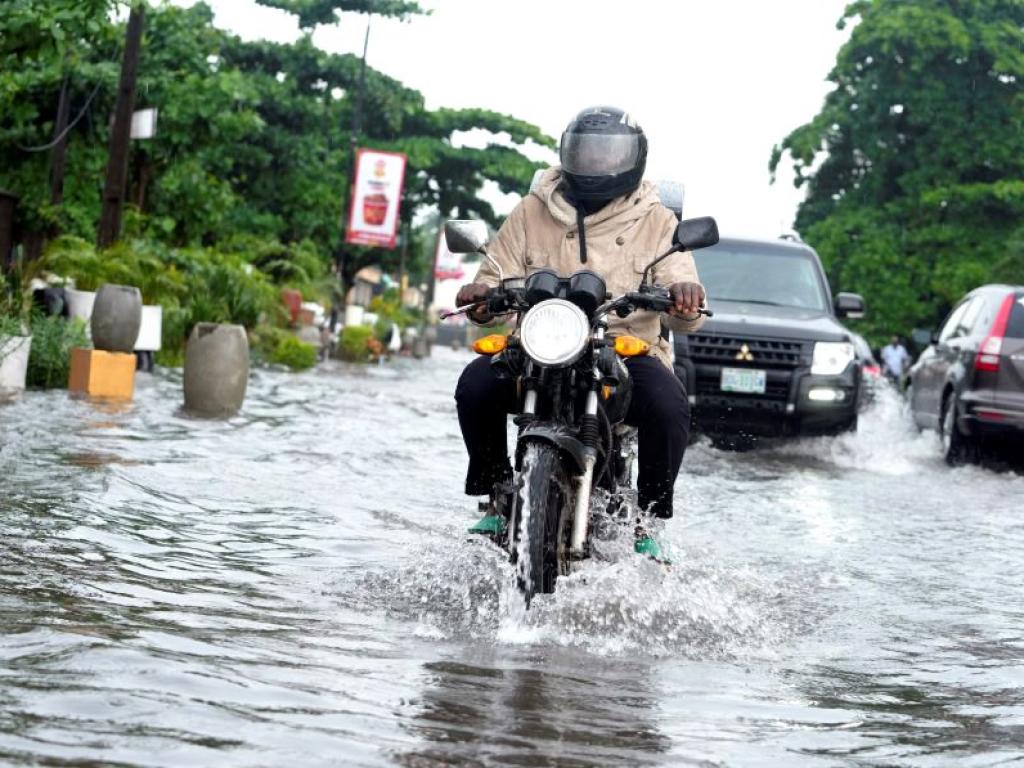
850 305
922 337
671 195
465 235
692 234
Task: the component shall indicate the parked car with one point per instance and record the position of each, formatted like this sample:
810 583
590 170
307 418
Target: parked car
774 360
969 383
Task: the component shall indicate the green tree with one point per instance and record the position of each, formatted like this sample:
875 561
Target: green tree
313 12
914 164
253 137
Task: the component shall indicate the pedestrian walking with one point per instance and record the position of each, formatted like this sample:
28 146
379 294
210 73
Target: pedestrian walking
894 360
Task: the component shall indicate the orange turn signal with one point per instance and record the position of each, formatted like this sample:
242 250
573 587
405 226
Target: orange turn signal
490 345
631 346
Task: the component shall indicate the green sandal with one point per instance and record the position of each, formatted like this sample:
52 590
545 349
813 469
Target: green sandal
489 525
645 545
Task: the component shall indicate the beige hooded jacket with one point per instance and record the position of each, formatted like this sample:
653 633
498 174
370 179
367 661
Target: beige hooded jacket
622 239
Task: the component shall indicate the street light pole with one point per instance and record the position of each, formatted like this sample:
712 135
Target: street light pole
353 143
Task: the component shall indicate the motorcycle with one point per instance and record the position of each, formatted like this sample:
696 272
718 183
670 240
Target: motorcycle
573 450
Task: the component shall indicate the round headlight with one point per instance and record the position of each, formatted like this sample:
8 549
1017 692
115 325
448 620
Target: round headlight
555 332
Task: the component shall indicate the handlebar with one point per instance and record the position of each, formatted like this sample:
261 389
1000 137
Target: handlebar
499 301
653 299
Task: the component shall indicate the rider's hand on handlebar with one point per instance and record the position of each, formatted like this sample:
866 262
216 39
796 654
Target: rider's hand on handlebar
472 293
688 298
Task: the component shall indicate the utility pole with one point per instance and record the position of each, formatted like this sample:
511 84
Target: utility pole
403 278
58 153
353 143
120 134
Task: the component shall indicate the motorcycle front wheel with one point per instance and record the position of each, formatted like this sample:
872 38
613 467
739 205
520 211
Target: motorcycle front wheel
544 513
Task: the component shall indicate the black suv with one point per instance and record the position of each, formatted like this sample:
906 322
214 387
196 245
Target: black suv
774 360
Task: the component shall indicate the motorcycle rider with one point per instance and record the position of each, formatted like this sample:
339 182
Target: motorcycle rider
593 212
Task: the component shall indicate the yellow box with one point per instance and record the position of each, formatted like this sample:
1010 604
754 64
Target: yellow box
102 374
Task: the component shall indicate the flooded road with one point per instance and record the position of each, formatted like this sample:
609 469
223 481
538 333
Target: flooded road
293 587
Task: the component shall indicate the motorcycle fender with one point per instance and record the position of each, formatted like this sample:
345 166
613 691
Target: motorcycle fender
560 437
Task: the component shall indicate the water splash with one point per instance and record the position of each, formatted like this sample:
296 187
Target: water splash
886 440
621 604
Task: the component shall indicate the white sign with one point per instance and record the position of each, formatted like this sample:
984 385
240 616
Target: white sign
376 195
450 273
447 265
144 123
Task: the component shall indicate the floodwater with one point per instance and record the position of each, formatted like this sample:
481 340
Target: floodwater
293 587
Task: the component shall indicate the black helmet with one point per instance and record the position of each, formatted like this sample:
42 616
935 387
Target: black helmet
603 153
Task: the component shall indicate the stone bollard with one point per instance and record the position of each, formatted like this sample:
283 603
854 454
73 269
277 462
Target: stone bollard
116 318
216 369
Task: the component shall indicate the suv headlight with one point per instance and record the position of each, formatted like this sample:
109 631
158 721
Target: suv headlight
555 332
831 357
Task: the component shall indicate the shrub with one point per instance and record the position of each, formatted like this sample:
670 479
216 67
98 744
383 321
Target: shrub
76 259
49 360
354 345
389 309
296 354
10 326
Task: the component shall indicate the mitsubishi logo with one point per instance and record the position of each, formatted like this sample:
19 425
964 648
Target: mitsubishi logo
744 354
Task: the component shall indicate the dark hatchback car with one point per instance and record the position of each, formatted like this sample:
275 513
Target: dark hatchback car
774 360
969 383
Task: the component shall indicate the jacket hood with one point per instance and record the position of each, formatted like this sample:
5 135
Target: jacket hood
620 211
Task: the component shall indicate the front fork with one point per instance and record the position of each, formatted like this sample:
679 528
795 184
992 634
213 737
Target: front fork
581 519
581 516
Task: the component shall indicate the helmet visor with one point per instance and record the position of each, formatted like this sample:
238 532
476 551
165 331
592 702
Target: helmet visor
599 154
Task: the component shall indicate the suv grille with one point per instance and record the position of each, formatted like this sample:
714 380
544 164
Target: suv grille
723 350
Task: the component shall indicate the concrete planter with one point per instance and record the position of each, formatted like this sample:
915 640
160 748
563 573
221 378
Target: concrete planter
216 369
116 318
80 303
14 352
354 314
150 329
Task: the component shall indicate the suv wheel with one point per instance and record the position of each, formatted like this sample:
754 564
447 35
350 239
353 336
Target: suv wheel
957 448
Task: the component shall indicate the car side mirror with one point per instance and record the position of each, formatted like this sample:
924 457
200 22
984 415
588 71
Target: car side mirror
465 235
850 305
922 337
692 234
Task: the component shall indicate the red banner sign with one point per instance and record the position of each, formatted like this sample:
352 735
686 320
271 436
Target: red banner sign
376 195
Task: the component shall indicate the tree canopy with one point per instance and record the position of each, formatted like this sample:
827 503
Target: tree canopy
252 138
914 167
313 12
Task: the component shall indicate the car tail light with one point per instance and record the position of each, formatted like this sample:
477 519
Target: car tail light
873 370
991 348
990 415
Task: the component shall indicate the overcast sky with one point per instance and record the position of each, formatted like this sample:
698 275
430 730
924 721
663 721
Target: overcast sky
714 83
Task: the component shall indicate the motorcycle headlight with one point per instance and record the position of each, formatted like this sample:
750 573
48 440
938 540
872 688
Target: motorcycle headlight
554 332
831 357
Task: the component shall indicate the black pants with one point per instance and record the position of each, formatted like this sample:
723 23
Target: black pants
659 410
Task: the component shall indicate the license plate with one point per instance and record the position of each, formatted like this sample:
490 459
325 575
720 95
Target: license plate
746 380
